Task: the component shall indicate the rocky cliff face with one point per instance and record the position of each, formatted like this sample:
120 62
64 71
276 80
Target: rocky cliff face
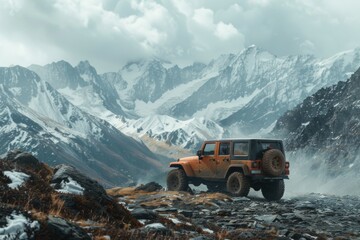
37 118
327 123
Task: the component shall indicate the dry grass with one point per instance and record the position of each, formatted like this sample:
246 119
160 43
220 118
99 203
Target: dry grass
57 205
165 198
101 217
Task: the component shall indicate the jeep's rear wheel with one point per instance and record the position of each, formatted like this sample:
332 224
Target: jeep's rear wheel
238 185
273 191
273 162
177 180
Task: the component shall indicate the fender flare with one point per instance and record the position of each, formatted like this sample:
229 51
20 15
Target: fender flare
243 167
185 166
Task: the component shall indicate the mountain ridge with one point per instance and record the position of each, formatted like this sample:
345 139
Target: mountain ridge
244 93
38 119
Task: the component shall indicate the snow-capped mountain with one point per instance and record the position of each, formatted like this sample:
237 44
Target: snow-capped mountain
256 87
232 86
147 81
37 118
244 93
82 86
327 124
186 134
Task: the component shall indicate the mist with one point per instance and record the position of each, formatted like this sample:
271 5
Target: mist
314 174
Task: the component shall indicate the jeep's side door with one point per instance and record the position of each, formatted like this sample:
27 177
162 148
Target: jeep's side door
207 165
222 159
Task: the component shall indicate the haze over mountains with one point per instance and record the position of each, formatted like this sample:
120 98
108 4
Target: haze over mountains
79 116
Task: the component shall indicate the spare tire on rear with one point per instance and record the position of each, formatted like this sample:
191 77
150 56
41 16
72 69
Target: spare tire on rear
273 162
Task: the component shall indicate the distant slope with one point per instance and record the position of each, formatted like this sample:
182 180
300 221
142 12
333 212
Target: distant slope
36 118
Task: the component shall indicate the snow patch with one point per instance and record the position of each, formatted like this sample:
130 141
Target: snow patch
208 230
71 187
305 124
223 109
175 220
17 178
17 227
155 226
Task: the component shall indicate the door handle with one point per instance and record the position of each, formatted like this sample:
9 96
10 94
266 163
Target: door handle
225 159
212 159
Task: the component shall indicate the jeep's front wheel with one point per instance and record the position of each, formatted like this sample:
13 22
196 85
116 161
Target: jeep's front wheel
273 191
177 180
238 184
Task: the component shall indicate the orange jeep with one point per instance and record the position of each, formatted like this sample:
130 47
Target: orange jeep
234 165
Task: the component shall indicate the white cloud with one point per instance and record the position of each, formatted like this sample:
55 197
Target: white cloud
225 31
204 17
109 33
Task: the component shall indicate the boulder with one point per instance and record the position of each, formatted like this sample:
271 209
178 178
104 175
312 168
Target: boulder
23 159
92 189
61 229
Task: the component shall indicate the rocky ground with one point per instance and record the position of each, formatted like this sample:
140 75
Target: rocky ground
218 216
39 202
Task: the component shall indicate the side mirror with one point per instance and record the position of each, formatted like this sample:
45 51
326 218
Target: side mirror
199 153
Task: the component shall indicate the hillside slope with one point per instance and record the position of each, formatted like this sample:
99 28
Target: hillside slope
36 118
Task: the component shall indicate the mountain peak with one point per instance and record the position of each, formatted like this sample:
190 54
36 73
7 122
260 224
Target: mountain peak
86 70
85 65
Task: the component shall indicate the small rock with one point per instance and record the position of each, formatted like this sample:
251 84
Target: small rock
266 218
186 213
200 238
294 235
223 212
240 199
166 210
150 187
141 213
305 206
245 235
158 228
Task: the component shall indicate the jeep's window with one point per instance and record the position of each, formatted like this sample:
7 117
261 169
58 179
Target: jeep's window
241 149
209 149
224 149
270 145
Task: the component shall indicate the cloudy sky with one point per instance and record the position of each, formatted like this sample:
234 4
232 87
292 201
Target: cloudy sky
110 33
